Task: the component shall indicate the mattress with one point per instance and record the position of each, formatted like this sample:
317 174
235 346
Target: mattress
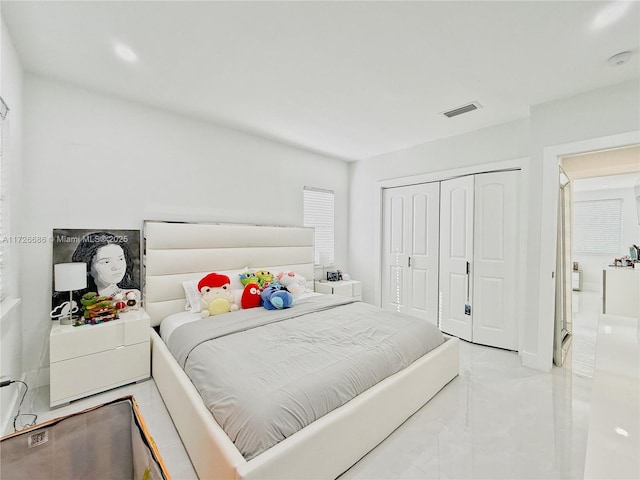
264 375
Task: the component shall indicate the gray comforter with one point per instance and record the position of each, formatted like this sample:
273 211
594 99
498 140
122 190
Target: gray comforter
265 375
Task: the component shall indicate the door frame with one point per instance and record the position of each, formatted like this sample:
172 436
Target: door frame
521 164
552 156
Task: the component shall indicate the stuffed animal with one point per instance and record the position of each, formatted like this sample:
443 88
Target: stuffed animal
251 296
248 277
295 283
274 299
97 309
264 278
216 295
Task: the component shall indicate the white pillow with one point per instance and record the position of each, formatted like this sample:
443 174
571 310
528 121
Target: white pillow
192 295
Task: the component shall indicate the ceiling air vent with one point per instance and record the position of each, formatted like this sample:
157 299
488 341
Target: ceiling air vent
463 109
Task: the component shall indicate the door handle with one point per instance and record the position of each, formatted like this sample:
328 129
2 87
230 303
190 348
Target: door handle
409 262
468 280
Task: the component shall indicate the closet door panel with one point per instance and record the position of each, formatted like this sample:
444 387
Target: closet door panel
419 284
496 260
410 250
394 253
425 219
456 256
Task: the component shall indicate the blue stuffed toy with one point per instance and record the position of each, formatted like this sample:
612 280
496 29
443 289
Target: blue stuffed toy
276 299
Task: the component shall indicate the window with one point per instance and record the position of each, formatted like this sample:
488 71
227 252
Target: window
597 227
318 213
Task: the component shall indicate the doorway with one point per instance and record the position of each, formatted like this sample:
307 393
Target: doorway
605 223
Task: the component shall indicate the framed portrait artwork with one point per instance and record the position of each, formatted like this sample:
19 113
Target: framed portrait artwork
112 259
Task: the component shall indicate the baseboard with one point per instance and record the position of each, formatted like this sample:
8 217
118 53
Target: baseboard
37 378
534 361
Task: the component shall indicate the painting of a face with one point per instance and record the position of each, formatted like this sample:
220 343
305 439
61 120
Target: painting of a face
109 265
112 258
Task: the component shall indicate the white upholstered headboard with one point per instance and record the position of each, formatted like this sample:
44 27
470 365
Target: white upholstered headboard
175 252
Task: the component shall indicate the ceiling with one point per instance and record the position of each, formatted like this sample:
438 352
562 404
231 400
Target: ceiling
347 79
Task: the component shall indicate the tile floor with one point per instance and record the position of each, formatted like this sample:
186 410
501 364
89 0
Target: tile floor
496 420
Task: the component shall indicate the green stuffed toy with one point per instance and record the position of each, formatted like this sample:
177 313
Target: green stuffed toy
248 277
265 278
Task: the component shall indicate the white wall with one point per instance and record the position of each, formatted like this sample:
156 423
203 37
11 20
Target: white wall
591 265
11 77
604 112
93 161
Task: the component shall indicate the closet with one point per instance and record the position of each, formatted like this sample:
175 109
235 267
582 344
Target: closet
450 255
410 253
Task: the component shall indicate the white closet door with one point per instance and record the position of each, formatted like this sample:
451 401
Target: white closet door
394 249
456 256
410 250
495 281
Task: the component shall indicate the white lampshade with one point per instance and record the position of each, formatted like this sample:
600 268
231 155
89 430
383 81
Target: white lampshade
325 258
70 276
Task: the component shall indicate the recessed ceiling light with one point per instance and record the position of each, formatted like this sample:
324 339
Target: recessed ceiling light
622 431
613 12
125 53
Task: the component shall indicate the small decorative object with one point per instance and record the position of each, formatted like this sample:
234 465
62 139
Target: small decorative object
295 283
97 309
119 302
248 277
216 295
275 299
133 299
265 278
575 266
250 296
334 275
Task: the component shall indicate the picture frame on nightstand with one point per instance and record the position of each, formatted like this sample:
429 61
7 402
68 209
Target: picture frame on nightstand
112 258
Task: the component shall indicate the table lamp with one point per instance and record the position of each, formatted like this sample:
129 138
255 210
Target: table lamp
325 260
70 277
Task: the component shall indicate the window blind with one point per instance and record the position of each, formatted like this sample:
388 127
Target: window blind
597 227
319 214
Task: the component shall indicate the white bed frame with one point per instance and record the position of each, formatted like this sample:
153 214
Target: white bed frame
175 252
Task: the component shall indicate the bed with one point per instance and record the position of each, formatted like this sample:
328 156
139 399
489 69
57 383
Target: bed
325 448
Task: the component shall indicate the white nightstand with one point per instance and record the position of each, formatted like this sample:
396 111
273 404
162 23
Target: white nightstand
93 358
346 288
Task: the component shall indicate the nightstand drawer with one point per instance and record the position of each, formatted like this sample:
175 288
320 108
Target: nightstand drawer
345 288
136 330
85 340
79 377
